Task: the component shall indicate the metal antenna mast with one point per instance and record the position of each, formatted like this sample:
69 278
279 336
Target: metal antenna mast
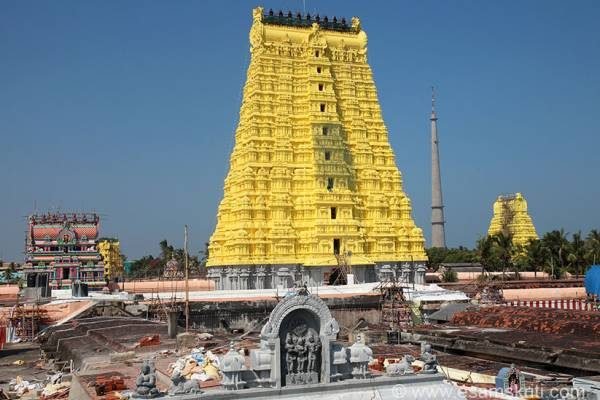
187 288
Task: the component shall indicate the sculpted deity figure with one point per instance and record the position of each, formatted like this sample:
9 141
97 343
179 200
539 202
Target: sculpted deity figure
302 351
428 358
290 355
146 383
303 291
313 347
257 14
256 32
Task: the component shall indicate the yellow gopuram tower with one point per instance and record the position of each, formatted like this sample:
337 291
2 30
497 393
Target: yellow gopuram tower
110 251
312 187
511 218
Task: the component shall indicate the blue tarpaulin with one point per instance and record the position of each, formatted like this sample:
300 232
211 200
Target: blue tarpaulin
592 280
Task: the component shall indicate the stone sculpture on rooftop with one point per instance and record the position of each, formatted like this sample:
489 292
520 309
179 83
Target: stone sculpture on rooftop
180 385
428 358
401 368
145 384
298 347
296 342
232 366
360 357
260 360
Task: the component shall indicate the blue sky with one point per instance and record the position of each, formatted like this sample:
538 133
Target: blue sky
129 109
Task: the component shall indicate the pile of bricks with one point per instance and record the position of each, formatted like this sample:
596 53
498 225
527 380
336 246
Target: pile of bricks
104 385
561 322
152 340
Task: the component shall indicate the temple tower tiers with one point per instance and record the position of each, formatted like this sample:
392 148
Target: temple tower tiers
438 234
511 218
312 177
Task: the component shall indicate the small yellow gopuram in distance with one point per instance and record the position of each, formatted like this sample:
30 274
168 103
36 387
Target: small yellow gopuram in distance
511 218
313 186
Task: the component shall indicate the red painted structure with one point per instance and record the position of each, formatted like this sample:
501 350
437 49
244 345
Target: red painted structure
63 247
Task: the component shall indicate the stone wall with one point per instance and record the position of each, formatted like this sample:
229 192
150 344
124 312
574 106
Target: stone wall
249 315
244 277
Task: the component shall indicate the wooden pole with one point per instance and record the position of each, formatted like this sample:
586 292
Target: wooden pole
187 289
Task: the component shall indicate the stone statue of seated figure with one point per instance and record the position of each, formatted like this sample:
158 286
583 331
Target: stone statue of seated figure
429 359
146 383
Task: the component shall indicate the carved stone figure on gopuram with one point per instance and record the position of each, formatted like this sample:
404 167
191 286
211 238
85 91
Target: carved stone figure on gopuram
313 183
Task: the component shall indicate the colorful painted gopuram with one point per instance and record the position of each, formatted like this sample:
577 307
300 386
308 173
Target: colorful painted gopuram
63 247
511 218
312 185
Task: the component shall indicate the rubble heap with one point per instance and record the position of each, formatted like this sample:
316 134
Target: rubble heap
584 323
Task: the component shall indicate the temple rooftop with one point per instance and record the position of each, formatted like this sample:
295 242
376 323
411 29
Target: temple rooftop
299 20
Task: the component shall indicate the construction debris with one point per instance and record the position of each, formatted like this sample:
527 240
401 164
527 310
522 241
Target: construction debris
54 391
152 340
19 386
124 356
199 365
538 320
104 385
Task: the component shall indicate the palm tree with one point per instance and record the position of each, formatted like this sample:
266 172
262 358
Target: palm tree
577 253
536 255
593 246
485 252
505 249
557 244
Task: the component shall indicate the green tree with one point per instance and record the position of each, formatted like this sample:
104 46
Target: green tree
435 256
8 276
450 276
577 254
505 250
461 255
438 255
141 268
166 250
536 255
557 244
486 254
10 273
202 270
592 244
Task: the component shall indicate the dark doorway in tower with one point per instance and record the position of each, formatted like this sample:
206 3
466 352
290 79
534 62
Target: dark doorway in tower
336 246
337 277
66 272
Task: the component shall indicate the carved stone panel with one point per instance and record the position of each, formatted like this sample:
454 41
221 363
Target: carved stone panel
300 331
300 349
